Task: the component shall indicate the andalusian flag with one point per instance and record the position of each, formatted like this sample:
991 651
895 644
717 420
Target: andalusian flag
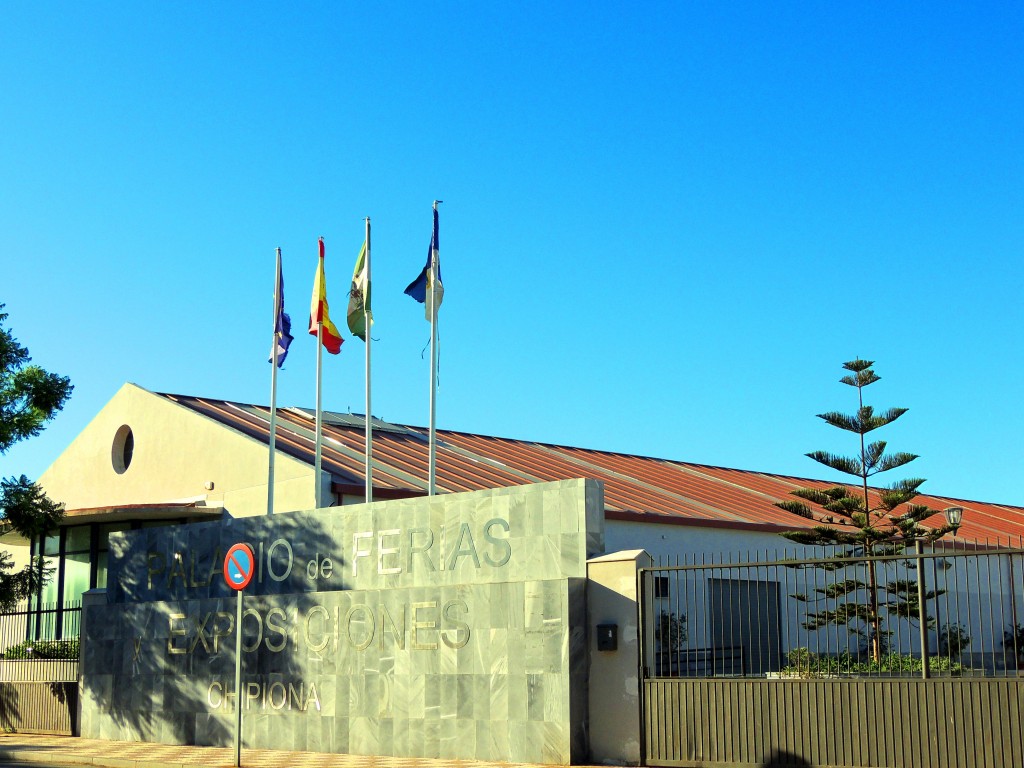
359 313
319 313
420 288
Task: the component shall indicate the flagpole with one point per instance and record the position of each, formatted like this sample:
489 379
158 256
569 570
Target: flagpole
369 413
432 464
319 414
273 390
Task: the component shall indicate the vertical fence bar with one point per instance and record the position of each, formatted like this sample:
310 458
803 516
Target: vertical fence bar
977 603
993 632
981 604
922 613
958 562
764 643
1014 634
1001 619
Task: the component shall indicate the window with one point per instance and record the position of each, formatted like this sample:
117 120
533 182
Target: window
123 449
77 558
102 547
76 576
661 588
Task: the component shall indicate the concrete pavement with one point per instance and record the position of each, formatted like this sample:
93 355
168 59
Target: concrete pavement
71 750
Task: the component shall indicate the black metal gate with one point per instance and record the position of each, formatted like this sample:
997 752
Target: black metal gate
39 649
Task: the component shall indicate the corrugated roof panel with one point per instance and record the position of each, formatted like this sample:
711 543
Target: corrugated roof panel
636 486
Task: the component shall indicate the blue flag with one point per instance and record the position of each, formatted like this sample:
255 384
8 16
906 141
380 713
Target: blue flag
282 323
419 288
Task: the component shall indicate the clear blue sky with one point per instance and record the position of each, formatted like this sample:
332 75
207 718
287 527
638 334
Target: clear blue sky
665 226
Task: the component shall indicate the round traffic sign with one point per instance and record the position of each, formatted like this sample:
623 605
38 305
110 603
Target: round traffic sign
239 565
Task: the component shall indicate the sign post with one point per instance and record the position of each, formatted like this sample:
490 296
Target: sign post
239 565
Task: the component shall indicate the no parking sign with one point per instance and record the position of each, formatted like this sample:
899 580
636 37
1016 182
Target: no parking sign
239 565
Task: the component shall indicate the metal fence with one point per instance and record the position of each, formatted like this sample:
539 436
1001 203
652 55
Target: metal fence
39 650
955 608
824 654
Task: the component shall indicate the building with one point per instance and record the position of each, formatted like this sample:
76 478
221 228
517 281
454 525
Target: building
505 634
150 459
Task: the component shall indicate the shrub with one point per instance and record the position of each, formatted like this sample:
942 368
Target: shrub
804 663
671 631
953 640
1013 641
43 649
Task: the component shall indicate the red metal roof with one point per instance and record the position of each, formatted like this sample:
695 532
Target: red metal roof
637 488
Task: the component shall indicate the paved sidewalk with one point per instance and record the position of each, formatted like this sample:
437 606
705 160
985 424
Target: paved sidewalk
70 750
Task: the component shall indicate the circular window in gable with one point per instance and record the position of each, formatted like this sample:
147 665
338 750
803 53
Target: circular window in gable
123 448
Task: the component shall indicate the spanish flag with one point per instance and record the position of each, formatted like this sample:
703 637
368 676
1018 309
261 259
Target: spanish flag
319 313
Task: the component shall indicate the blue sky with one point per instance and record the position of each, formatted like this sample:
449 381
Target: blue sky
665 226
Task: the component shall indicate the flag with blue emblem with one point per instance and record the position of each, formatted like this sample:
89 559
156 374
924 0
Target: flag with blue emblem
282 323
427 288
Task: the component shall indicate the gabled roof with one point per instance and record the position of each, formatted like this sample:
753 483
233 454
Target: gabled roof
639 488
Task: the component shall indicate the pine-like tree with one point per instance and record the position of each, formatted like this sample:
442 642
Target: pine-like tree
29 397
863 522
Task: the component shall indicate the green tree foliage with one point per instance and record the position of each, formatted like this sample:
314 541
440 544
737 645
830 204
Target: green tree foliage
862 521
29 398
671 631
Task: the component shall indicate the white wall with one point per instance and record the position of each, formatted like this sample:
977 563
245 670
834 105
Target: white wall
983 594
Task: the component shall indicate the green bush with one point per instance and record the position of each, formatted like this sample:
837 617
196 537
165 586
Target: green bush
43 649
953 639
804 663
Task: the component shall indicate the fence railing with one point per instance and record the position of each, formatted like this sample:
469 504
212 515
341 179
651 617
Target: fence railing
39 642
952 609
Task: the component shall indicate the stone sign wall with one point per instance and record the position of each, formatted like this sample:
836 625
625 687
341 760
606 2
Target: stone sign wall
446 627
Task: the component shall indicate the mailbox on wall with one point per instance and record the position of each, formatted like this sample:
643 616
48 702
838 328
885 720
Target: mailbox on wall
607 637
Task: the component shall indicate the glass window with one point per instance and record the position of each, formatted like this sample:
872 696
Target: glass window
106 530
51 563
76 576
158 523
101 570
51 545
661 587
78 539
123 449
43 626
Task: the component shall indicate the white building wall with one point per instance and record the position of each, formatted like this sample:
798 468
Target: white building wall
983 594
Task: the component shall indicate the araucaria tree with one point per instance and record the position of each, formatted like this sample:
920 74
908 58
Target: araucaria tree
863 522
29 397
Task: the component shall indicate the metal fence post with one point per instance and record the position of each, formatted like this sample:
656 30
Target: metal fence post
922 614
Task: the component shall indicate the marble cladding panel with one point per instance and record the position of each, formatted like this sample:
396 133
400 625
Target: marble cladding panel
358 635
543 531
364 672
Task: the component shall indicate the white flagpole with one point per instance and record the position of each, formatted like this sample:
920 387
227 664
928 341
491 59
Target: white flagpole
369 413
319 414
432 471
273 390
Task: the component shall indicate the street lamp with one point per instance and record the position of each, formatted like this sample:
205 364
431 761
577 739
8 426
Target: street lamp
953 516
